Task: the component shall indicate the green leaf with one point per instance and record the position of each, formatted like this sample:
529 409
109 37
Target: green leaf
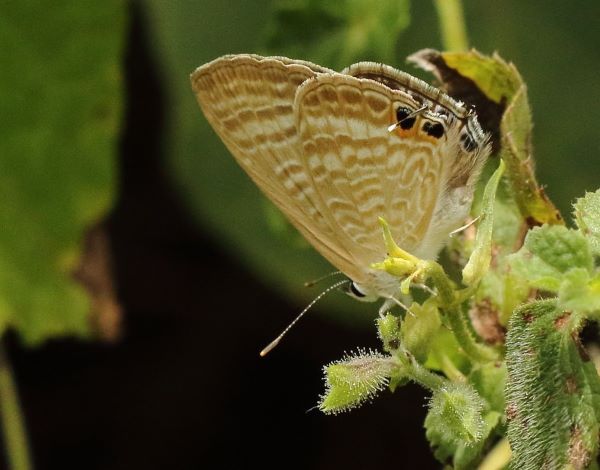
507 221
515 131
502 83
552 390
489 381
446 355
355 379
479 261
497 79
498 91
59 124
515 292
499 288
418 329
341 32
587 216
580 292
548 253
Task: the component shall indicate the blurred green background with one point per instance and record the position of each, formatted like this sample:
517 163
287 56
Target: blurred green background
122 214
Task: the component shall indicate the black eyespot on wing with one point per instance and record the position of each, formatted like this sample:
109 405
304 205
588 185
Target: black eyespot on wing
402 113
355 291
434 129
468 143
406 122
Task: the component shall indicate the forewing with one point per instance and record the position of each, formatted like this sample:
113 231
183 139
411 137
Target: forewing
362 171
249 102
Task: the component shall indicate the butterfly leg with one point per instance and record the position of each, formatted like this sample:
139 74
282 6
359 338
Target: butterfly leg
389 301
424 287
385 306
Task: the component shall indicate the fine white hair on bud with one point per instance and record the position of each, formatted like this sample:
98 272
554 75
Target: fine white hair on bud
354 379
455 412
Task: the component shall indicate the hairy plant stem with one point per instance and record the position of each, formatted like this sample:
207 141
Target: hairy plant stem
452 25
418 373
13 425
450 304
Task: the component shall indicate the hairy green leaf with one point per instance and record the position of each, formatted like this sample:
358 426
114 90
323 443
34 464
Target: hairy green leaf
552 390
488 381
456 413
59 125
587 215
466 456
548 253
455 419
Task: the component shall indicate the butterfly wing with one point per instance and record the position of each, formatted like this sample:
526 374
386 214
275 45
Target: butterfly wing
362 171
442 126
317 144
249 102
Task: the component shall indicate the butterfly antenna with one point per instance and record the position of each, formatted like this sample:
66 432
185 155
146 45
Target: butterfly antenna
276 341
315 281
414 113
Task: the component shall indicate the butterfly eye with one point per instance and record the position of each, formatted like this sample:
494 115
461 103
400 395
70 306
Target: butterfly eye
402 116
352 289
434 129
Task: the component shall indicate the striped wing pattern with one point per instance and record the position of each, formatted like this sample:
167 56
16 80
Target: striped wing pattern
316 142
360 170
248 101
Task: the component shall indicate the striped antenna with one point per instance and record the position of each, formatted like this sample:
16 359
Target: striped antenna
276 341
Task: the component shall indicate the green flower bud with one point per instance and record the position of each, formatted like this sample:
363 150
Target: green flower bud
354 380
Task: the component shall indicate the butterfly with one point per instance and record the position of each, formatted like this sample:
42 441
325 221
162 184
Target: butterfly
337 151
